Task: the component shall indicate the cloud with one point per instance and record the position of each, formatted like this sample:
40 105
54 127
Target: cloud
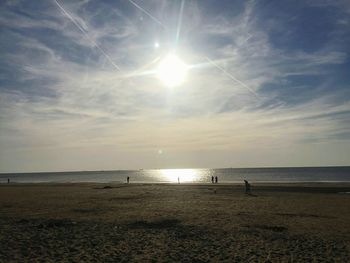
67 95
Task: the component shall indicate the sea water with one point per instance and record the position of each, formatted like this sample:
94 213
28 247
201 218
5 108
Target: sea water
225 175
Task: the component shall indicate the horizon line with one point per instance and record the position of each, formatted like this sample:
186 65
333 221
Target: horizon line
202 168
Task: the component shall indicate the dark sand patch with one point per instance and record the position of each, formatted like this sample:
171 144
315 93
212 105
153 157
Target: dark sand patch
107 187
303 215
160 224
268 227
54 223
86 210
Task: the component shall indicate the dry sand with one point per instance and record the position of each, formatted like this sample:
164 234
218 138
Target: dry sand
169 223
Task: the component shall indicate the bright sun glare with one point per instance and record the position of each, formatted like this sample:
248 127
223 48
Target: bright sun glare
185 175
172 70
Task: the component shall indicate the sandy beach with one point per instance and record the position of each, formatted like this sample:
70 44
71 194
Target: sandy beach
174 223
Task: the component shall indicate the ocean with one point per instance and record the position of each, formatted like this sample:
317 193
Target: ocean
225 175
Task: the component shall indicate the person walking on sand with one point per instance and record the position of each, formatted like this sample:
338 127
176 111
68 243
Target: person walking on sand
127 179
216 179
212 179
247 187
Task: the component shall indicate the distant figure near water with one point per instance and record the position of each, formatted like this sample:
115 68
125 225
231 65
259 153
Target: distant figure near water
216 179
212 179
178 180
8 180
127 179
247 187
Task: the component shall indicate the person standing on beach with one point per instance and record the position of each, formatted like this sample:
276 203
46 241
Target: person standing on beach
8 180
247 187
212 179
216 179
127 179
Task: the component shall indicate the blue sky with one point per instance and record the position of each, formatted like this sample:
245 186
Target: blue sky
268 84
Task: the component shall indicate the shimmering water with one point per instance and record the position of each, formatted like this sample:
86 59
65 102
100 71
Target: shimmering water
225 175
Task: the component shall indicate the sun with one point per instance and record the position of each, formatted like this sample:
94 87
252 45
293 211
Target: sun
172 70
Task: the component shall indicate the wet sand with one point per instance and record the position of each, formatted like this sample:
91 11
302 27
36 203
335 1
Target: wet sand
167 223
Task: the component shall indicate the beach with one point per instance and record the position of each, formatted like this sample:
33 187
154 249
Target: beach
76 222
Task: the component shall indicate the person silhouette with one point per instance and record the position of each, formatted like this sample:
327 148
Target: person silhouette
216 179
178 180
212 179
127 179
247 187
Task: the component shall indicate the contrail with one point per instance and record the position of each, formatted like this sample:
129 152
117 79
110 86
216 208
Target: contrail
143 73
179 22
205 64
231 76
147 13
87 35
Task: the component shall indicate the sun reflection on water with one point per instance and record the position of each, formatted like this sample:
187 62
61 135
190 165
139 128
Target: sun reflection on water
184 175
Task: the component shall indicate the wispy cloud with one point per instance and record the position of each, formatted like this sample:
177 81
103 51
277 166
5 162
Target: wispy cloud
60 91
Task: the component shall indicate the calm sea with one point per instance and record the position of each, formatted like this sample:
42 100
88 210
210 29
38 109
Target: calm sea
225 175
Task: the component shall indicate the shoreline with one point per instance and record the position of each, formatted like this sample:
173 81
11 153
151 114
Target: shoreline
235 183
255 185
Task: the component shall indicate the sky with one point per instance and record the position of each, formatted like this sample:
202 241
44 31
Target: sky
268 84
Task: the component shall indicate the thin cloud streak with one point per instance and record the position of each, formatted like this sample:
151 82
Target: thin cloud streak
147 13
87 35
179 23
232 77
